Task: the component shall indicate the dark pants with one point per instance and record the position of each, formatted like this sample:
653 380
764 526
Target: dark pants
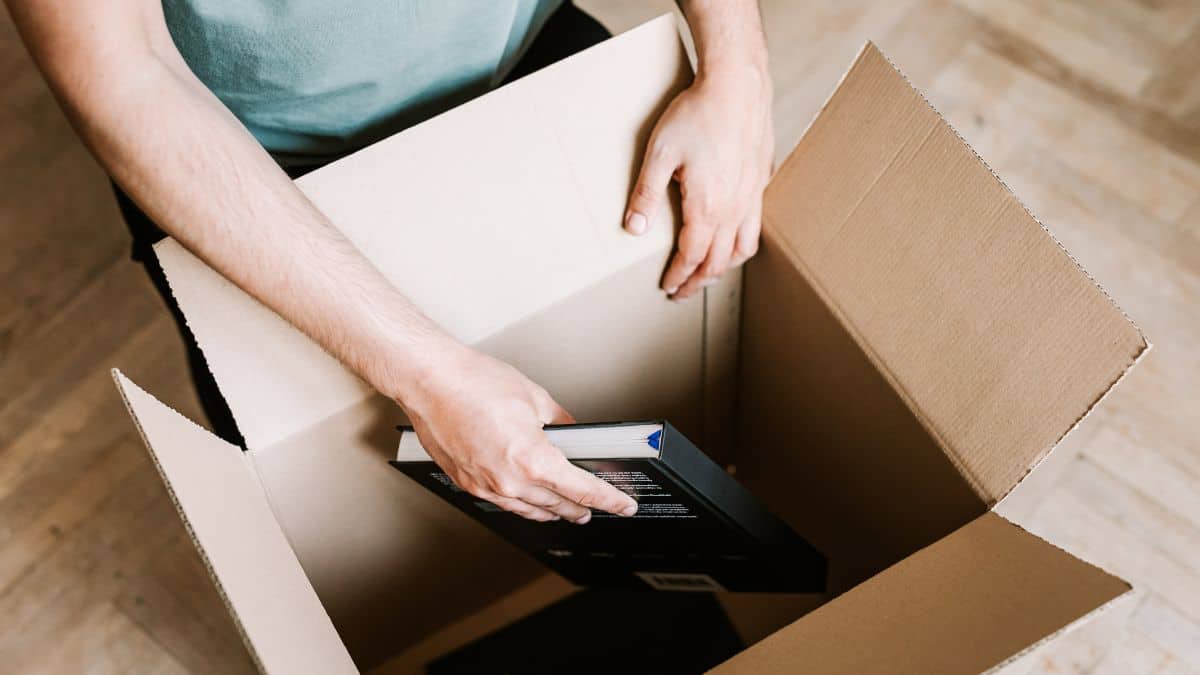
567 31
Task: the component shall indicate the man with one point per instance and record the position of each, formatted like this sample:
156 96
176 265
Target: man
202 110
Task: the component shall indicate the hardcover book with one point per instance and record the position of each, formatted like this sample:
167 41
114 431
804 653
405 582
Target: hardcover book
696 529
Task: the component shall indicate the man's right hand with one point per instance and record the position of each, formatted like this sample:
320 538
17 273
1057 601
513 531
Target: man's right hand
481 420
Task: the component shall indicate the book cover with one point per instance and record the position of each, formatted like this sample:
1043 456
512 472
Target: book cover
696 529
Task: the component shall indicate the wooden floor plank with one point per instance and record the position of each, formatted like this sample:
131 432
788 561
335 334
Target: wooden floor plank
103 641
1080 529
1173 632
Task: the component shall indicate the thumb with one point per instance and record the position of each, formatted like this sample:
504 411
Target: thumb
550 412
650 192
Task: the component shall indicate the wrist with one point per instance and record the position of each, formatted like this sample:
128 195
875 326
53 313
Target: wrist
420 369
745 80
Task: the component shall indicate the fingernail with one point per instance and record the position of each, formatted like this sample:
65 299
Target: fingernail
583 520
672 290
629 511
636 223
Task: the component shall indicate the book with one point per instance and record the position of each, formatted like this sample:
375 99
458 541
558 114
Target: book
696 529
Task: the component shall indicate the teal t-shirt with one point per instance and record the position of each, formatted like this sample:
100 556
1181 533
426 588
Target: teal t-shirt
314 79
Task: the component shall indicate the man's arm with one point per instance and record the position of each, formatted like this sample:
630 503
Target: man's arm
196 171
717 140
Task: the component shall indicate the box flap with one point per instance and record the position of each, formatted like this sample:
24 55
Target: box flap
525 184
964 604
222 505
994 336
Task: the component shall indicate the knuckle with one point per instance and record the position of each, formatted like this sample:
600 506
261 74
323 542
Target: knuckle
659 149
505 486
532 465
691 256
714 267
644 193
747 247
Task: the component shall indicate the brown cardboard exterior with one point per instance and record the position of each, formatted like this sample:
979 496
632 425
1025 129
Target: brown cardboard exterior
970 601
908 344
979 319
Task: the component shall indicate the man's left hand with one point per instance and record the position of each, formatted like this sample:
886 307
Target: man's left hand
717 140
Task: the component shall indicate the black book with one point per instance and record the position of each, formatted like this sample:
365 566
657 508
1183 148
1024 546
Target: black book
696 528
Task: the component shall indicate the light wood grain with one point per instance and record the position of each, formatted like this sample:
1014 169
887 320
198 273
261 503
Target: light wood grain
1089 109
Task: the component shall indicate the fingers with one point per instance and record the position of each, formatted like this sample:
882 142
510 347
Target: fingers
586 490
716 262
556 504
694 241
746 243
544 486
522 508
650 192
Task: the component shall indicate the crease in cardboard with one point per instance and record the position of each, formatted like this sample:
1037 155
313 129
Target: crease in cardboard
120 380
571 170
833 235
851 328
1009 190
250 459
869 350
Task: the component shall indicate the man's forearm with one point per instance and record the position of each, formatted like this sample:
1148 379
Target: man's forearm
199 174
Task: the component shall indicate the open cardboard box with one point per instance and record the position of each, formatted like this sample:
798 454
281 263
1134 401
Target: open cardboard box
909 343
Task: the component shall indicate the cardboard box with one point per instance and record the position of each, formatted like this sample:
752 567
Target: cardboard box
909 343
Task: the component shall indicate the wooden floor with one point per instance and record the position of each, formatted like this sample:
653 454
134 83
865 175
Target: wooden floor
1090 110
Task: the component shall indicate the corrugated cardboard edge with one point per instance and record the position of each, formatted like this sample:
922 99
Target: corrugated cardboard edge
1146 344
1083 619
118 376
1146 347
1069 628
167 274
974 481
247 455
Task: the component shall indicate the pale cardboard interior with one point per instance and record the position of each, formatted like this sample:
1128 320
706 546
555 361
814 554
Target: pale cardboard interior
908 344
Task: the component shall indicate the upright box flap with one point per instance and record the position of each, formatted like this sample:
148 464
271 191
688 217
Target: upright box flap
526 184
994 336
222 505
964 604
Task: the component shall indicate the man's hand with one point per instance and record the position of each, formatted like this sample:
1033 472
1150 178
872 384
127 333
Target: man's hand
717 139
481 421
